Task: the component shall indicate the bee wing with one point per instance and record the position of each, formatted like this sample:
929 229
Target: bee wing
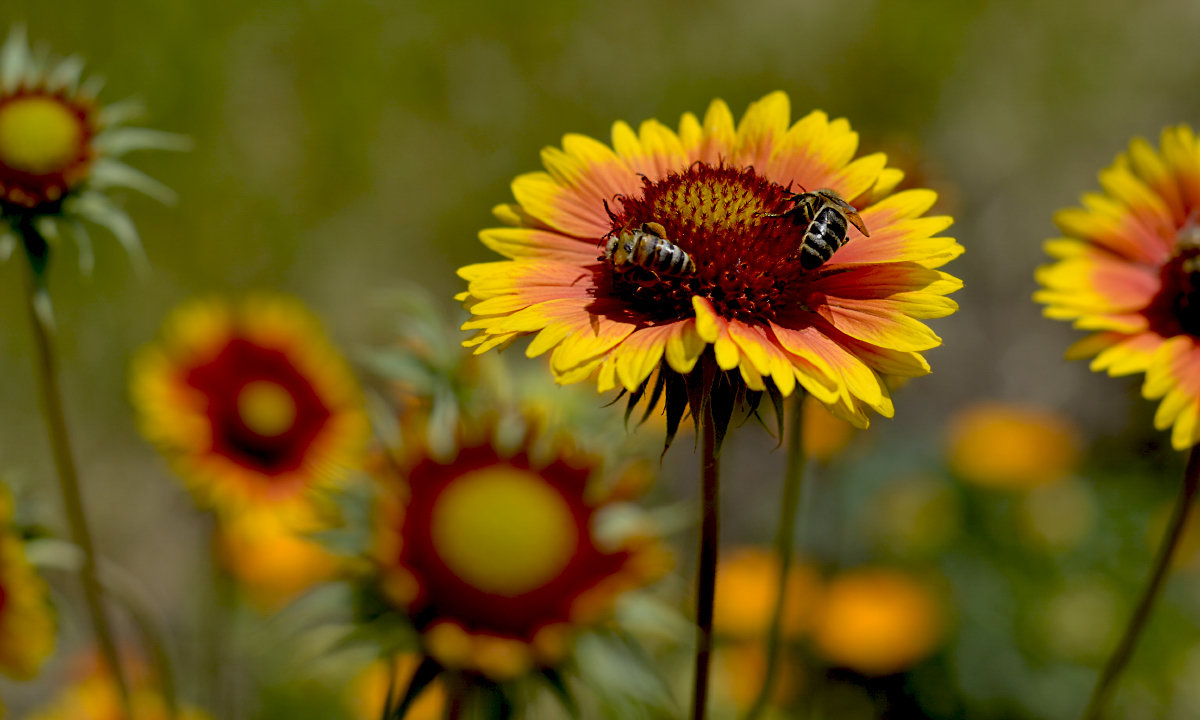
856 219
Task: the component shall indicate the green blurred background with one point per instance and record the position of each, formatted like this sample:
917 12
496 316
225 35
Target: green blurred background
345 149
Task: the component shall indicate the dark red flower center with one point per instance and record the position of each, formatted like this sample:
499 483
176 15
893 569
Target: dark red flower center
1176 307
746 262
541 598
265 414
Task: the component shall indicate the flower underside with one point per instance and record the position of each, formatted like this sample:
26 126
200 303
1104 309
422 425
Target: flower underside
746 261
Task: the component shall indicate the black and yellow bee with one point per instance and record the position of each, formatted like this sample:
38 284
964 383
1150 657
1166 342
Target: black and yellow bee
825 216
649 249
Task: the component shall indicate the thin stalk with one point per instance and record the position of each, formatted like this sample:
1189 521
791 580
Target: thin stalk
46 367
793 481
1162 565
707 573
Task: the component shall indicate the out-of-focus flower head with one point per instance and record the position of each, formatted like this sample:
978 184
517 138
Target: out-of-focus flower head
917 515
499 555
60 151
743 668
273 562
823 434
27 626
1127 270
756 314
250 402
878 621
1012 447
747 585
369 691
92 695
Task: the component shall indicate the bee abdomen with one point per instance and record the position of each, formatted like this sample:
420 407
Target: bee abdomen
824 236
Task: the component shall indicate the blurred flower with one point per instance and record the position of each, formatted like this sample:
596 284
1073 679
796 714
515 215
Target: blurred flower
251 403
1128 270
824 434
497 557
718 191
59 150
878 621
744 666
1080 622
370 690
1010 447
747 584
273 563
912 516
27 626
1057 517
93 695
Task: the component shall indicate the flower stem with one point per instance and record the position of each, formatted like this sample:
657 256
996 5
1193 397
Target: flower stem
37 251
707 573
1162 564
793 481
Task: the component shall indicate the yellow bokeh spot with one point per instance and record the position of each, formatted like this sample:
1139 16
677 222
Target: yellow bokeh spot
823 434
747 586
1011 447
267 408
878 622
39 134
503 530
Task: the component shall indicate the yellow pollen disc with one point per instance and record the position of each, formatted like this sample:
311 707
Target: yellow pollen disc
267 408
39 135
503 530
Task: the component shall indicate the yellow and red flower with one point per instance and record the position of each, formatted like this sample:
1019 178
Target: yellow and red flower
496 556
1128 270
27 626
716 188
250 402
60 150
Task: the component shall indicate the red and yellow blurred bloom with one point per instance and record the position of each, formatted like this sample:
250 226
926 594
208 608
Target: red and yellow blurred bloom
1128 269
835 331
253 406
27 626
497 559
60 150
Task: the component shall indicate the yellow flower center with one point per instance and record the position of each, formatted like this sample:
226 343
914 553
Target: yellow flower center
266 407
39 134
503 530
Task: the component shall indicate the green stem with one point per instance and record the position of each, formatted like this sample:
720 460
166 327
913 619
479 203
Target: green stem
793 481
37 252
1162 565
707 573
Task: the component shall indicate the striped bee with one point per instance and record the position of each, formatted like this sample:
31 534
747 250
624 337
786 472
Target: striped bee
649 249
824 215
